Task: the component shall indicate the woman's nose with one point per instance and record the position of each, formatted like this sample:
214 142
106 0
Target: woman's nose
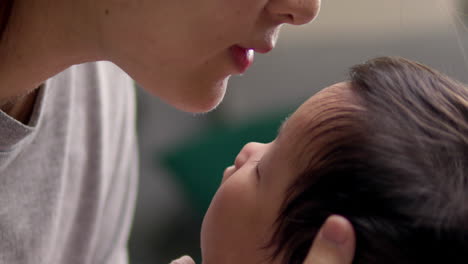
296 12
247 151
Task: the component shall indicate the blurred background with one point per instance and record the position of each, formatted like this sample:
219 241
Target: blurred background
183 155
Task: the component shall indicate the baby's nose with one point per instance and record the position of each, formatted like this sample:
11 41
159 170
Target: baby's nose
246 153
296 12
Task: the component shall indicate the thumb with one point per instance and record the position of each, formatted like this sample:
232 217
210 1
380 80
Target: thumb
183 260
334 244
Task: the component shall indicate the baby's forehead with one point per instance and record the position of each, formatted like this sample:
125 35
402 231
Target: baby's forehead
320 110
318 122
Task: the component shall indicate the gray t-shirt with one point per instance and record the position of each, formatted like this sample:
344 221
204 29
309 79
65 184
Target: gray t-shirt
68 178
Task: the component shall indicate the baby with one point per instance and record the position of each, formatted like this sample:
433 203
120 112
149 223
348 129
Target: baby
388 150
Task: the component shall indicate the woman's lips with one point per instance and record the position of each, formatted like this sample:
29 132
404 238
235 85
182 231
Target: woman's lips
242 57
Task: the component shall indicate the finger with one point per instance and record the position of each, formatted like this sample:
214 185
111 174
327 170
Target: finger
183 260
334 244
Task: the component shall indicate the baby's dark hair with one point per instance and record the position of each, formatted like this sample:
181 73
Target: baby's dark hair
6 7
399 173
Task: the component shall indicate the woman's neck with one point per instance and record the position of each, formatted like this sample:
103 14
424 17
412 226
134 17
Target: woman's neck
43 37
21 108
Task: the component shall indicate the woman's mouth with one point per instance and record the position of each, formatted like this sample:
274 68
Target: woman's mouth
242 57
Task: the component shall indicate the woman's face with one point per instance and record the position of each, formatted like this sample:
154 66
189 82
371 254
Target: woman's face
185 50
240 220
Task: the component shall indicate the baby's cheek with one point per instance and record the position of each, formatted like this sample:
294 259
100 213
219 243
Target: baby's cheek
234 200
231 225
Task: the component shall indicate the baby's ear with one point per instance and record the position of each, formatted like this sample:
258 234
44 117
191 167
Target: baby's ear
334 244
183 260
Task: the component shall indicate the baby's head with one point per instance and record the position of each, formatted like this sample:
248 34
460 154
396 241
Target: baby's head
388 150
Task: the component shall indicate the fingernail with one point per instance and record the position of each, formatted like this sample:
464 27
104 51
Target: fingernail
335 230
182 260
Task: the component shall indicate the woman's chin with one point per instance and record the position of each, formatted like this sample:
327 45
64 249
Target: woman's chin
202 101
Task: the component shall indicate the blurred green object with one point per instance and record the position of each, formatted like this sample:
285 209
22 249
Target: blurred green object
198 163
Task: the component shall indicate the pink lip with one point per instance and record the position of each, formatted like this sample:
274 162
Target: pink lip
242 57
263 50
